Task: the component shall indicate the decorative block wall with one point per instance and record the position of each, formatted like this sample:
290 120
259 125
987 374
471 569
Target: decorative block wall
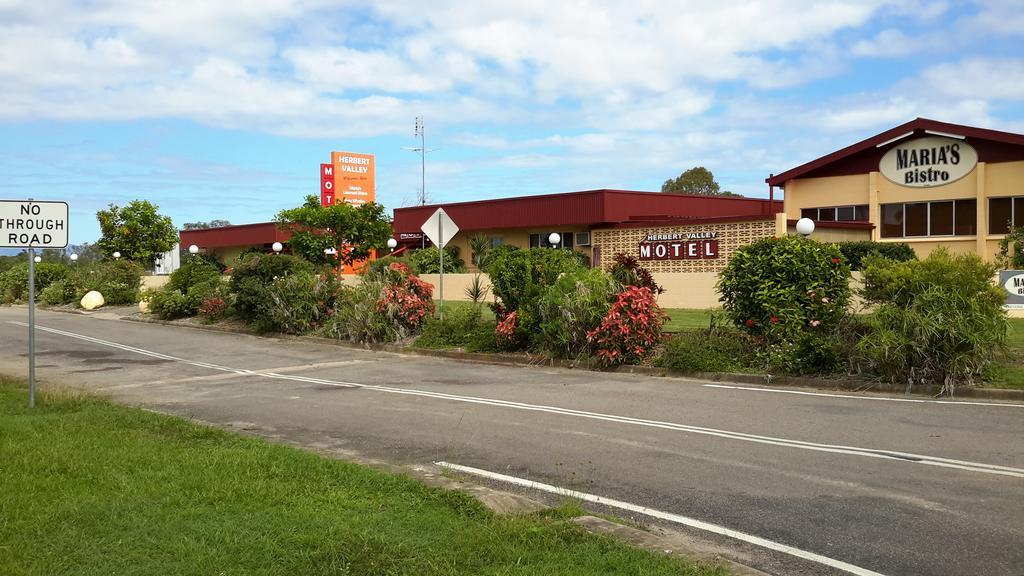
731 235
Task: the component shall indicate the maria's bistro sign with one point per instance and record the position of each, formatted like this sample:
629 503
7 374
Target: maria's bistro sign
679 246
928 161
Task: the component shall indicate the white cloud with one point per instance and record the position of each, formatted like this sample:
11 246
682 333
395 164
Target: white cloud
978 78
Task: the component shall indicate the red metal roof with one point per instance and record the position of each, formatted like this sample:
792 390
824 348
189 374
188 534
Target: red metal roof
587 208
240 235
862 157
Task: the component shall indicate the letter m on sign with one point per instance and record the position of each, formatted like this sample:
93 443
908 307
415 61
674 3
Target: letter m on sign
326 170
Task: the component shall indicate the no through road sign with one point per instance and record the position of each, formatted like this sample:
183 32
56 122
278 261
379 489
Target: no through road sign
33 224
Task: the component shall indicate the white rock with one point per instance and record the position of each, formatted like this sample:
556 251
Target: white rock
144 306
92 300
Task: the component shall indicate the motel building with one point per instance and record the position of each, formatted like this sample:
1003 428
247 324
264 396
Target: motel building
926 183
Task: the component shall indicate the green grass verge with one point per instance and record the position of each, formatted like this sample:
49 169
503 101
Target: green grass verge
88 487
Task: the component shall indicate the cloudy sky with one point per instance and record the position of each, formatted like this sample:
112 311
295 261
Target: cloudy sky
225 110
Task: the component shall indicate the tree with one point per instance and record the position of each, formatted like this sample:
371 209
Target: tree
698 180
137 231
205 225
353 231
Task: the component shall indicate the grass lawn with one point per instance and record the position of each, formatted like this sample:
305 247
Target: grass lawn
88 487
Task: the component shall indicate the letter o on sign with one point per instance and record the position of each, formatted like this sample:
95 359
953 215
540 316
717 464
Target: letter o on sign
660 251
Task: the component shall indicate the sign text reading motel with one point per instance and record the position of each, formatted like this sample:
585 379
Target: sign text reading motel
679 246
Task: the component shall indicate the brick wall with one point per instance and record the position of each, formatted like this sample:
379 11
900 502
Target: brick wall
731 235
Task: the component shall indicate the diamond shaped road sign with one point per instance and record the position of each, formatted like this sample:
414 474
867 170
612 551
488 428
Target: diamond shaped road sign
440 228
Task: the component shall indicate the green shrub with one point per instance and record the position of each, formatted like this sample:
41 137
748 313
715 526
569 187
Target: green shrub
708 351
14 280
793 293
461 327
391 303
938 320
428 260
855 252
63 291
519 278
172 304
571 308
296 303
117 280
252 276
191 273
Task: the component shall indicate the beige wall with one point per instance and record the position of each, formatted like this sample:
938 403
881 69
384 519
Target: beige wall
822 234
154 282
987 180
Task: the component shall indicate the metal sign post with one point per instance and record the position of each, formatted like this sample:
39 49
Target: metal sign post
440 229
33 224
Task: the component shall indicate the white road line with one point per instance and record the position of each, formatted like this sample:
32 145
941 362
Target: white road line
906 457
668 516
882 398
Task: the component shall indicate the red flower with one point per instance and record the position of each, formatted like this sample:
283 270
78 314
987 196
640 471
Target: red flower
835 260
774 319
751 322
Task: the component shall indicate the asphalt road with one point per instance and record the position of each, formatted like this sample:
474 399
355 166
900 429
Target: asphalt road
884 486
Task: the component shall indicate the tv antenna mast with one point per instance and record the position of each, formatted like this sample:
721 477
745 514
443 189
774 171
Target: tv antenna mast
422 149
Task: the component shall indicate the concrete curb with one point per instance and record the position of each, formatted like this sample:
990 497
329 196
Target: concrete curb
843 384
671 543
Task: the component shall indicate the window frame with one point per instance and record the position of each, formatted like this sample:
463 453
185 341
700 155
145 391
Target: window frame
928 220
835 212
1013 213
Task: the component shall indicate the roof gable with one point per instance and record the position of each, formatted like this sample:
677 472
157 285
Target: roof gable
992 146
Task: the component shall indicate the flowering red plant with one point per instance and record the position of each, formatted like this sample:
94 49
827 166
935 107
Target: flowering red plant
213 307
506 329
630 330
406 296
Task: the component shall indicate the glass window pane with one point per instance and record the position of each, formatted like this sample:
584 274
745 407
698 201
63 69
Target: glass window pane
916 217
861 213
999 215
942 219
966 217
534 240
811 213
892 220
827 214
1018 211
497 241
567 240
845 214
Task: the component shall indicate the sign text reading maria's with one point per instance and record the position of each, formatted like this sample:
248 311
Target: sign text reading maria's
679 246
33 224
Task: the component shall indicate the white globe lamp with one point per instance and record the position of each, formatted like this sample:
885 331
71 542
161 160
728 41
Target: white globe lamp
38 259
117 255
74 257
277 247
392 244
193 249
554 238
804 226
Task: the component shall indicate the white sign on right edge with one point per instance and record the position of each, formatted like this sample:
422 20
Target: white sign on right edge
33 224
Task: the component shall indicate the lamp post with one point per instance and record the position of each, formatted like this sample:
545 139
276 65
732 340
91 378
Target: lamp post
804 226
117 255
277 247
392 244
554 239
193 249
74 257
38 259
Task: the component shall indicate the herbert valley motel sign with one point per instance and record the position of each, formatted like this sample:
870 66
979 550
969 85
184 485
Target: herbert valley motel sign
33 224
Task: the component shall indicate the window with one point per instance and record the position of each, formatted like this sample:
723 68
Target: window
940 218
1005 212
1000 215
497 241
837 213
541 240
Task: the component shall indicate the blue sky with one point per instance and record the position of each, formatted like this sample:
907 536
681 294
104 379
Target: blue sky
216 110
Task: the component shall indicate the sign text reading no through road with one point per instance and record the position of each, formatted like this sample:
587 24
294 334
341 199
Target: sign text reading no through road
33 224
